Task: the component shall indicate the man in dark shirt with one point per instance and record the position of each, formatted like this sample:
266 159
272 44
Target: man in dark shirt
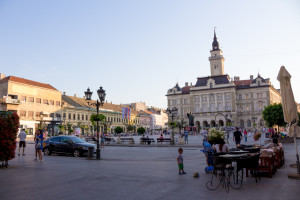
237 136
275 134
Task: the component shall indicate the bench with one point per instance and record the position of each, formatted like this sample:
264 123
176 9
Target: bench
161 140
108 140
147 140
128 140
91 140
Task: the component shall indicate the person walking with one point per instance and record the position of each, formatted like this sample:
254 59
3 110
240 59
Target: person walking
39 145
275 134
245 135
180 161
22 142
35 141
186 137
102 141
237 137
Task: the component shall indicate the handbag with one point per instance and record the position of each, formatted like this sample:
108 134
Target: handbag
38 145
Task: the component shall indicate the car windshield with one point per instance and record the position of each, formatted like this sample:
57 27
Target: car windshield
76 140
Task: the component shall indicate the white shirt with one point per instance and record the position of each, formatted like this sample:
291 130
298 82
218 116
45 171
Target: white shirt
22 136
224 148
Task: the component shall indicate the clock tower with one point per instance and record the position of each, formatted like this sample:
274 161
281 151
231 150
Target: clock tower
216 58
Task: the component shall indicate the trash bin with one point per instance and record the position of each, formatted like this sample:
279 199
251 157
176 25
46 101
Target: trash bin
90 153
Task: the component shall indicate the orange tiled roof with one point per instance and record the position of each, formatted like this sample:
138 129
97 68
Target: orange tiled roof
146 111
28 82
106 105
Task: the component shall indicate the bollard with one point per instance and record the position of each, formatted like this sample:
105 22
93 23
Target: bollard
90 154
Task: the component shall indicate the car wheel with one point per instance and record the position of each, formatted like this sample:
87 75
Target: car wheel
76 153
47 152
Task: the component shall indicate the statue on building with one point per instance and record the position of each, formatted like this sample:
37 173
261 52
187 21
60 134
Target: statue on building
191 119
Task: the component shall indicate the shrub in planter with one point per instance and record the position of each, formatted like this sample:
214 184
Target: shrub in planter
9 123
215 136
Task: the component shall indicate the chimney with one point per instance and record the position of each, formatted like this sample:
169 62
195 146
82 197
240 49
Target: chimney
236 78
251 77
74 95
2 76
186 84
64 93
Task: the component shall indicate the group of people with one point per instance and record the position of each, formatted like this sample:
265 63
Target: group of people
38 139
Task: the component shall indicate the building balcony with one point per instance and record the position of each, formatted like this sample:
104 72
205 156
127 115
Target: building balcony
10 101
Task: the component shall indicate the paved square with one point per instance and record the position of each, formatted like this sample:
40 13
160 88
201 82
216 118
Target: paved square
133 173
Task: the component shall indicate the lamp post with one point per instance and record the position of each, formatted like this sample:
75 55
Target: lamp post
226 117
88 96
172 113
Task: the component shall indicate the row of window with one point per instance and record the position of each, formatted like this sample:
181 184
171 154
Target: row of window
39 100
86 117
247 96
24 113
242 123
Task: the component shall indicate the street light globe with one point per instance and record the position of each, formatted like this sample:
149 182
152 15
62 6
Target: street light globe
101 93
88 94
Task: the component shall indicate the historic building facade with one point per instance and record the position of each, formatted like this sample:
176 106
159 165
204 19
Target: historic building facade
36 103
218 100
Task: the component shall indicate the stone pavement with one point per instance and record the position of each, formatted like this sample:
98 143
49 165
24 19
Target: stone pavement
133 173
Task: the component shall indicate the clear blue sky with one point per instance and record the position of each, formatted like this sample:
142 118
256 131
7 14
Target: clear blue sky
139 49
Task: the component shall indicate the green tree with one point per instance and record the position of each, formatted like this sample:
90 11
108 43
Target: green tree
130 128
95 118
141 130
118 130
69 128
62 129
181 124
273 115
173 125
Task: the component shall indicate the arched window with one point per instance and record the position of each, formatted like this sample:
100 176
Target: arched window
242 123
249 123
261 122
210 85
240 97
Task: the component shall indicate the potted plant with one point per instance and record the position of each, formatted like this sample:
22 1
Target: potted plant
215 136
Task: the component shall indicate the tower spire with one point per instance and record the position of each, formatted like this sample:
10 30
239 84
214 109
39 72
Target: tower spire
215 44
215 37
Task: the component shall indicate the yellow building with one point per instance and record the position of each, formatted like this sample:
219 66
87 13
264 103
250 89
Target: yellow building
34 102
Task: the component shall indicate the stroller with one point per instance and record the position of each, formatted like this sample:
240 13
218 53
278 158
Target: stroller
208 152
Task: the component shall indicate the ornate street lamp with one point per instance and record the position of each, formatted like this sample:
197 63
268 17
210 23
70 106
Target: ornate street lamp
88 97
172 113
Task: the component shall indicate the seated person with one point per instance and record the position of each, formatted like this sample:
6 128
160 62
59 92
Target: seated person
161 136
275 143
221 148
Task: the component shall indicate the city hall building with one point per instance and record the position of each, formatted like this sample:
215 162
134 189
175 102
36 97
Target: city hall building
218 100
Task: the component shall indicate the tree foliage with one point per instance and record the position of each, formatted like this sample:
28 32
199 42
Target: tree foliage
181 124
141 130
118 130
130 128
273 115
9 124
95 118
173 125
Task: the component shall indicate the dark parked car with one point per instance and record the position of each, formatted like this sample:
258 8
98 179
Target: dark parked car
66 144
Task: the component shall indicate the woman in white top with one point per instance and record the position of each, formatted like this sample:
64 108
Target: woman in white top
221 148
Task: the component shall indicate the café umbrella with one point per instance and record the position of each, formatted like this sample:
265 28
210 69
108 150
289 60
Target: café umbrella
289 106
